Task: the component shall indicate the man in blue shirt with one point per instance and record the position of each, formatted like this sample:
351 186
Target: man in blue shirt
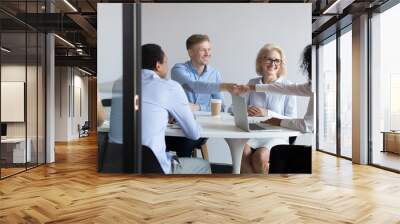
196 77
162 98
200 81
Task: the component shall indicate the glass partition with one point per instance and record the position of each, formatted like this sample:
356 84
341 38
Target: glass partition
385 89
327 97
22 87
14 153
31 97
346 94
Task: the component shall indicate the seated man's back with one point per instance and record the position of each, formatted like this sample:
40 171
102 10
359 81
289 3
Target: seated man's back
161 98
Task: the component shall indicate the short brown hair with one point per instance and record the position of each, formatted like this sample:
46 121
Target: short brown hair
195 39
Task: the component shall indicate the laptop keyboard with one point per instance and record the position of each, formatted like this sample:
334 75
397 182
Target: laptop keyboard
255 127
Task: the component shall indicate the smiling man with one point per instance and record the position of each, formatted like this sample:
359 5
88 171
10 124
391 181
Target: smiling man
197 69
198 79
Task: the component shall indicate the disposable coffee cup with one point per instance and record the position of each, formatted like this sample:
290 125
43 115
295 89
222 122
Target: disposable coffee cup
216 107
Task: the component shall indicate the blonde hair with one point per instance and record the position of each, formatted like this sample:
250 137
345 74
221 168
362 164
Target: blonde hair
267 48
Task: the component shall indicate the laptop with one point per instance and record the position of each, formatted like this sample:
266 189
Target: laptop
241 118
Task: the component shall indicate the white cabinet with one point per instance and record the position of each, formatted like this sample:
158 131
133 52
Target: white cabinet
15 148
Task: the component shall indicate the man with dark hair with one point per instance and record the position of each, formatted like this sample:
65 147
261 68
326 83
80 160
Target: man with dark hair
162 98
151 54
201 83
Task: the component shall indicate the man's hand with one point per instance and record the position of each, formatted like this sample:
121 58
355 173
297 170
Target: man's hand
233 88
171 120
254 111
241 89
250 87
227 86
273 121
194 107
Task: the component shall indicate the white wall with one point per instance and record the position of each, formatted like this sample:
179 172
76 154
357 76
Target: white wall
109 47
69 82
33 125
17 73
237 32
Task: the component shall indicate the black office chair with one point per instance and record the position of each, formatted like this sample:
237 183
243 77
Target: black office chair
84 129
292 140
290 159
106 102
150 162
111 159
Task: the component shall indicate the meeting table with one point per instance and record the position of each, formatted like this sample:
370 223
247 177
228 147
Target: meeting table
223 126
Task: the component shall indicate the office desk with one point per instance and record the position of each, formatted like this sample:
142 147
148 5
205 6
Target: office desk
16 147
236 138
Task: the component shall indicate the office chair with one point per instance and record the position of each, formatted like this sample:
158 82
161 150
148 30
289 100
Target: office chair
290 159
111 159
292 140
150 162
106 102
204 152
84 130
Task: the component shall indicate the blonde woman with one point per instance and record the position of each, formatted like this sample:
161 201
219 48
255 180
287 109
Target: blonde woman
306 124
271 68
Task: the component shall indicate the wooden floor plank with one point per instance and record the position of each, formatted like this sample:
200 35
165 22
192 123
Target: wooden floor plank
71 191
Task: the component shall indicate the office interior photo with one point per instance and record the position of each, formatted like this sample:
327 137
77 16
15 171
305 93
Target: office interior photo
131 111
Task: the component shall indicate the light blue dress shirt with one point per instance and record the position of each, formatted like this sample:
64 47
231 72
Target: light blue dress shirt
199 88
277 105
116 115
161 98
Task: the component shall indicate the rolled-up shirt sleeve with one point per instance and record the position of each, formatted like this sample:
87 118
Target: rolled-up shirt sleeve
297 124
286 89
307 123
179 74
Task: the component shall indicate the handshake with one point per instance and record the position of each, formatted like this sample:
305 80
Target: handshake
236 89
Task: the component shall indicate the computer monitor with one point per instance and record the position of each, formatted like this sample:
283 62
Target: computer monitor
3 129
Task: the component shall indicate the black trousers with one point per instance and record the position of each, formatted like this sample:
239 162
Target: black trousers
183 146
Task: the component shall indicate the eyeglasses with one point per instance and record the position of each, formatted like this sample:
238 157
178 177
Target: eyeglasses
269 61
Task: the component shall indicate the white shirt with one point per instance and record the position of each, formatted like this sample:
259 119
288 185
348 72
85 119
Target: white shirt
307 123
277 105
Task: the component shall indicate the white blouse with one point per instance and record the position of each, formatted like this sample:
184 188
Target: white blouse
307 123
277 105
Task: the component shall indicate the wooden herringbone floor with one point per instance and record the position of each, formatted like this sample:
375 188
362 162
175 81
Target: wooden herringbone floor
71 191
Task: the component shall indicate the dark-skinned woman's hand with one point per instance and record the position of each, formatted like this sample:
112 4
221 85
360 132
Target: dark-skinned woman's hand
273 121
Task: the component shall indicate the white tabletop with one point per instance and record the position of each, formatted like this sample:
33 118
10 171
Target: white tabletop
224 127
14 140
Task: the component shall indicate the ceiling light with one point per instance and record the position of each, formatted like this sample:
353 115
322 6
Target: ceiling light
84 71
65 41
5 50
70 5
